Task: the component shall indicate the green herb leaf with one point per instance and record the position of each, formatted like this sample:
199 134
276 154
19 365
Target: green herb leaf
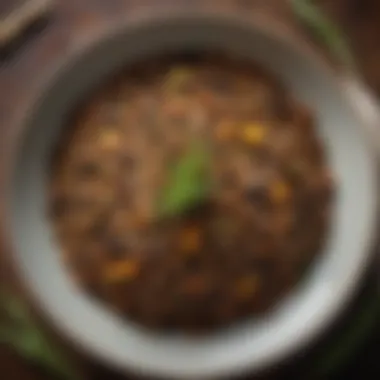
187 183
23 335
324 30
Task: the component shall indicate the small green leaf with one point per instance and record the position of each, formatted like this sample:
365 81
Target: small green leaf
324 30
187 183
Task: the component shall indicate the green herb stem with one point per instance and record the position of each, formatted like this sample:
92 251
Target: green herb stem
20 332
324 29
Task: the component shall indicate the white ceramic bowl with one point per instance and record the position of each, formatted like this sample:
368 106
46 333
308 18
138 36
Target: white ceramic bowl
254 345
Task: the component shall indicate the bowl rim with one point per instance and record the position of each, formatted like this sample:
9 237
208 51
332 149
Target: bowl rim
352 92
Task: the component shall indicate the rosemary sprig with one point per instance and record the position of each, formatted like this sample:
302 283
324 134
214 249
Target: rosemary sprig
325 30
19 331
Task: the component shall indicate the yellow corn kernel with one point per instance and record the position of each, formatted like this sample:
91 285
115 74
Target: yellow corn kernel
110 140
122 271
190 240
247 286
253 134
280 192
225 131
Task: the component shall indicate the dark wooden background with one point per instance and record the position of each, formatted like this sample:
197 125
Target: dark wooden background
21 75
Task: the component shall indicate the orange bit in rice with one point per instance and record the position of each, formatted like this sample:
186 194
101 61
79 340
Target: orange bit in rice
119 271
110 140
190 239
280 192
247 286
253 133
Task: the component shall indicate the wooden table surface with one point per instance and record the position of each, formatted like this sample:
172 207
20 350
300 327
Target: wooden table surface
22 73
